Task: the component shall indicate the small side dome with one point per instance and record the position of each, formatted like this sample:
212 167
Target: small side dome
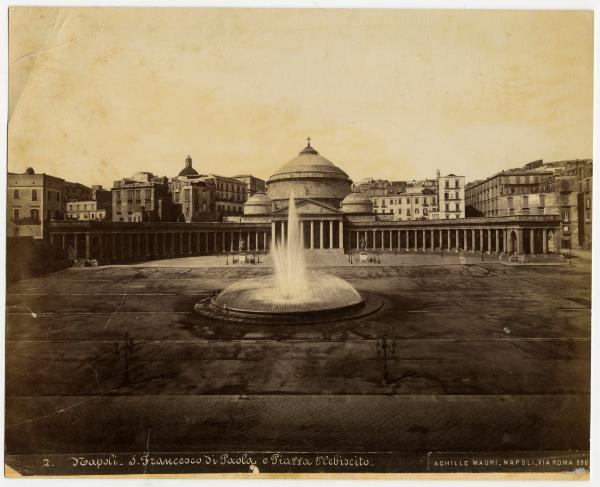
258 204
357 202
29 171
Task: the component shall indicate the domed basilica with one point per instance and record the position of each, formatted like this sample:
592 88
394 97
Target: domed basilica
323 195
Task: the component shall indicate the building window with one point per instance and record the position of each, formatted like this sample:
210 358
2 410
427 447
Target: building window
565 216
456 206
456 183
542 200
525 201
510 201
16 194
16 213
34 195
35 214
447 184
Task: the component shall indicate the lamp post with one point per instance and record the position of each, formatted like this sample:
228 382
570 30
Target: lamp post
383 346
125 349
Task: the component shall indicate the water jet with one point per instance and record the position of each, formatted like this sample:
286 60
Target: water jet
294 293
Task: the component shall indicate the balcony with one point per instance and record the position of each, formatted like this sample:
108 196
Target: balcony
26 221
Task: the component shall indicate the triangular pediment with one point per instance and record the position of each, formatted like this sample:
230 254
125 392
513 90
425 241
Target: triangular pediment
310 207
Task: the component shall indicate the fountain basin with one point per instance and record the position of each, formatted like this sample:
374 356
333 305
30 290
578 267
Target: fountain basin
259 300
261 295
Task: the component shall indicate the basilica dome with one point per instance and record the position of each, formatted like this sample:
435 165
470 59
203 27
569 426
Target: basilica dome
309 175
258 204
357 202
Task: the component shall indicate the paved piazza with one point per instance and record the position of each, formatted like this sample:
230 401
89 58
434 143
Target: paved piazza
488 357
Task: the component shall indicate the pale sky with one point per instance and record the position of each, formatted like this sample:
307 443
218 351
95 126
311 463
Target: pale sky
98 94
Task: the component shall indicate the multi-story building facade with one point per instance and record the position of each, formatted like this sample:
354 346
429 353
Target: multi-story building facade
229 195
143 197
99 207
482 196
429 199
193 200
451 197
85 210
33 200
253 184
567 193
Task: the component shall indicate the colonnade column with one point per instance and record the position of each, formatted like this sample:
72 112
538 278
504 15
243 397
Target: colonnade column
489 245
330 234
87 246
481 239
545 241
532 241
312 234
302 233
441 240
273 233
433 240
341 236
497 246
407 240
321 241
473 240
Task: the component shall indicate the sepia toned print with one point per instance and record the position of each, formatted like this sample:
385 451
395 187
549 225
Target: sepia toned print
256 241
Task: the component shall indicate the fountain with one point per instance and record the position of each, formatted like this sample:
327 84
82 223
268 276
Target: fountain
293 294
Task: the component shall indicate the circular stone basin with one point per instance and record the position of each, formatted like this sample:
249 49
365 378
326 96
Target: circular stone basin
326 293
